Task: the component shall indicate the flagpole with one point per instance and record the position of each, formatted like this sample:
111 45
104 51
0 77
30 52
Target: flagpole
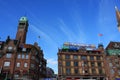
98 39
99 35
38 39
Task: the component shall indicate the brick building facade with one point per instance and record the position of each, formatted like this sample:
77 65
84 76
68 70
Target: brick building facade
19 60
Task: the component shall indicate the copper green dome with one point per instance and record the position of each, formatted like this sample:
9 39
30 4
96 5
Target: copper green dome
23 18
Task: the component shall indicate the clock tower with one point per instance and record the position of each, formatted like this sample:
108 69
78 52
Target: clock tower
22 29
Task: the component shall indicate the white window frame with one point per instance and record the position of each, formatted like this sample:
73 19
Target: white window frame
23 49
6 63
25 64
19 56
23 56
10 48
8 55
18 64
26 56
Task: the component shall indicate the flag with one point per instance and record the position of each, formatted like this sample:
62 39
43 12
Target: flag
100 34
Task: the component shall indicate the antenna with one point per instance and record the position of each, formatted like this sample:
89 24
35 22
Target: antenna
25 14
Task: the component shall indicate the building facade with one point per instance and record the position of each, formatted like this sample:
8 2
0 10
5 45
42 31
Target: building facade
113 60
78 61
21 61
49 72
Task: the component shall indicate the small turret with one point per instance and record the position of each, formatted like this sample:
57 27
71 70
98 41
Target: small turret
100 46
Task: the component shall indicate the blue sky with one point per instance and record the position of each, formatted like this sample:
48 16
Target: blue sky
59 21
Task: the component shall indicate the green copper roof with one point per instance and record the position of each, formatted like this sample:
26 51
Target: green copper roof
23 18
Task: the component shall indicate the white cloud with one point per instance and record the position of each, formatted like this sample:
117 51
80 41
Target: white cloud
39 32
76 35
51 61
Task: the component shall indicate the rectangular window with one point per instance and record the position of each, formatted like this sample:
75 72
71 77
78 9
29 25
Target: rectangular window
92 64
75 57
68 71
24 49
10 48
99 64
68 63
118 72
76 71
23 56
67 56
6 64
19 56
93 71
36 53
85 64
86 71
100 71
32 65
37 60
8 55
84 57
22 24
25 64
0 46
110 64
91 57
112 71
75 63
0 55
18 64
26 57
98 57
33 57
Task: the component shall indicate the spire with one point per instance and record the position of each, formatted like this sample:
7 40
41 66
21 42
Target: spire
118 17
117 14
23 19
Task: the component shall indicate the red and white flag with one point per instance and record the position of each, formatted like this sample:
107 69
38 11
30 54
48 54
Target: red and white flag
100 34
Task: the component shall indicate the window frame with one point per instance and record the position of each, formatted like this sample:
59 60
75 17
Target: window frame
83 57
67 56
75 56
7 63
8 55
68 63
18 64
25 64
